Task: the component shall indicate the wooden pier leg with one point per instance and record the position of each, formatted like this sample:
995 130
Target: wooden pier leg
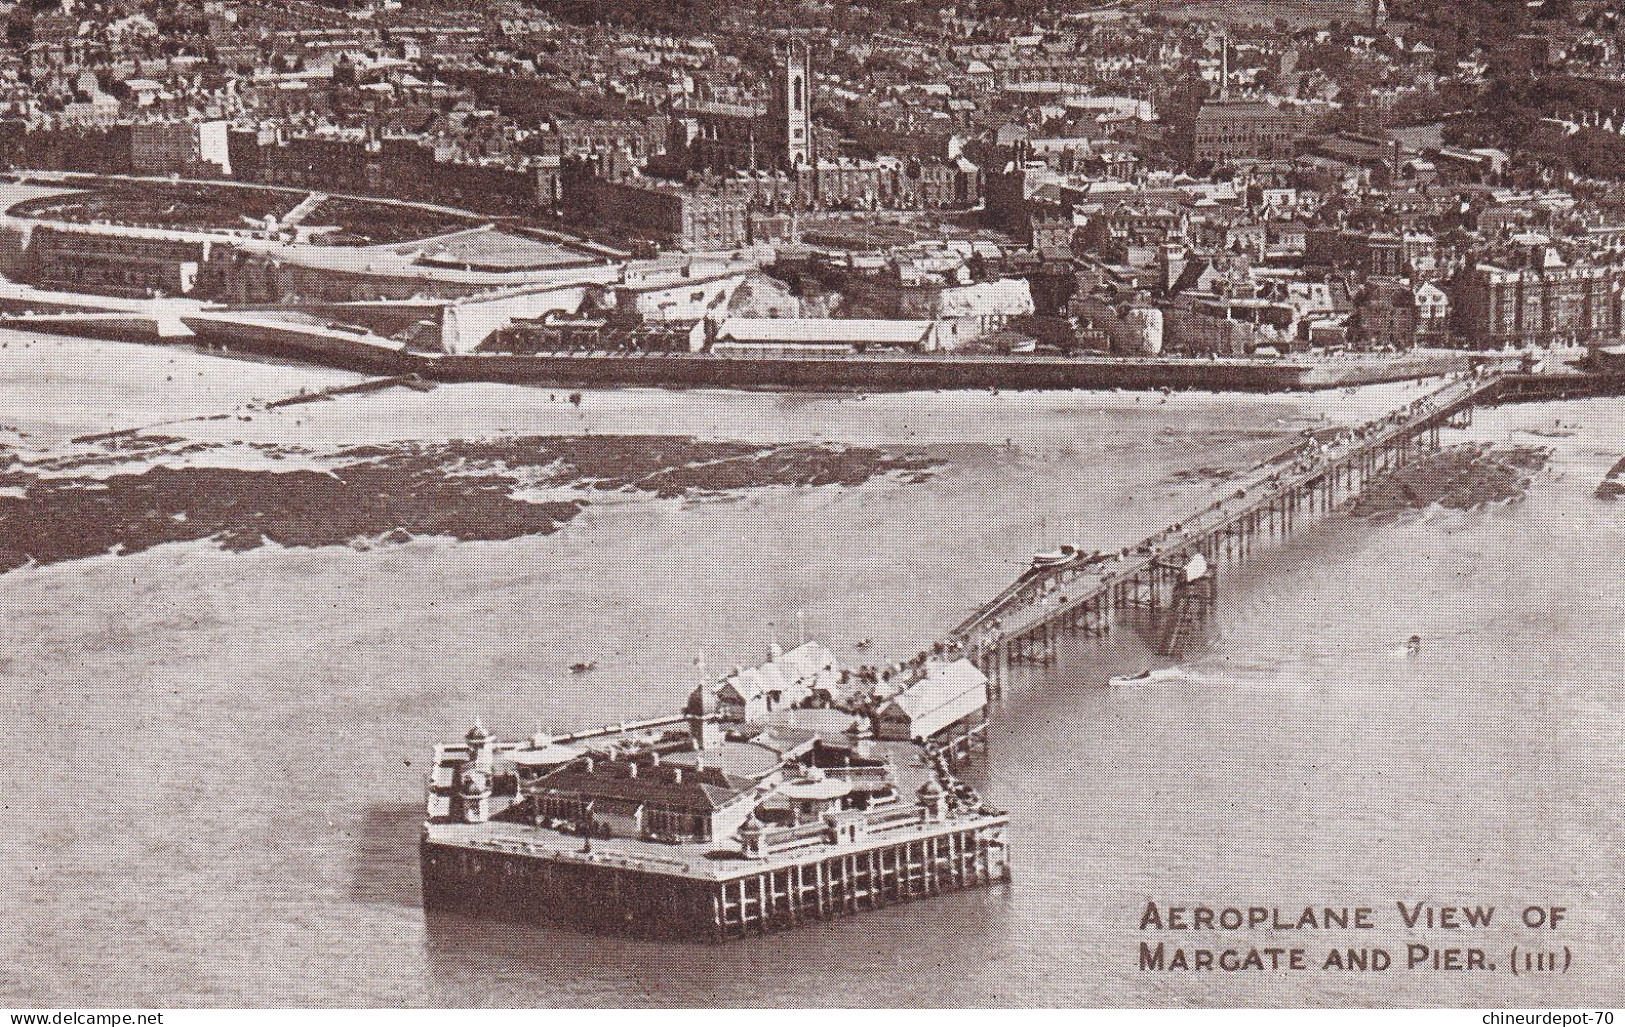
823 888
796 894
852 883
764 891
872 892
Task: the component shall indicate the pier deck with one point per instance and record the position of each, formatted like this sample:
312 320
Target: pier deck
1025 620
707 862
524 877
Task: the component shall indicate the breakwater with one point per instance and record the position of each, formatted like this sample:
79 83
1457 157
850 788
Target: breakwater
901 373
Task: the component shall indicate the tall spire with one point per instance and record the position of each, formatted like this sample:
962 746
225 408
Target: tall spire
1224 64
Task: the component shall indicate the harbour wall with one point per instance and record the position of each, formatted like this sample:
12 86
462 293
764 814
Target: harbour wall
806 373
877 374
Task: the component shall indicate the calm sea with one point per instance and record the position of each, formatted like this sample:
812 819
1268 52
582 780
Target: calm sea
216 760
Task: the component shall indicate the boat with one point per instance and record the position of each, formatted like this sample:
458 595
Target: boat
1149 676
1196 568
1413 645
1055 557
583 666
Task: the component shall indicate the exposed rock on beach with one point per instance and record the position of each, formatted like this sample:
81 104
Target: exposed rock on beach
1463 477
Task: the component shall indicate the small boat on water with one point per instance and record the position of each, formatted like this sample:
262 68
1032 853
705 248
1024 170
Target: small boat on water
1413 645
1149 676
583 666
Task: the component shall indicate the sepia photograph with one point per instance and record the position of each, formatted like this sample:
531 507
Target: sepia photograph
873 504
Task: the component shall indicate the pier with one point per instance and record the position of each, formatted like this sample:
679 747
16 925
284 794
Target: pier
751 812
1027 620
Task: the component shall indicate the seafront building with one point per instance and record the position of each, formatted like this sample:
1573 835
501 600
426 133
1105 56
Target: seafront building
789 791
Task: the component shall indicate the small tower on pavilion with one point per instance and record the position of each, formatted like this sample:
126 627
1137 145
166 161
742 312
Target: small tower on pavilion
933 800
474 790
703 728
479 743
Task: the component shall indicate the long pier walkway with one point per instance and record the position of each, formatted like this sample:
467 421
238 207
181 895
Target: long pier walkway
1174 571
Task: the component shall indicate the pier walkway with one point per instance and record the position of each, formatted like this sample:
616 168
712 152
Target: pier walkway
1026 620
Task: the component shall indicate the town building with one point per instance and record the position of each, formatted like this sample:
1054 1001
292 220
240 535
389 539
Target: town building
1226 130
1493 307
744 336
684 216
133 264
1385 314
193 148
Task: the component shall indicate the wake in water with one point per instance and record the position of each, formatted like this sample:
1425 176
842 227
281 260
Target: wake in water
1153 676
1270 674
1208 674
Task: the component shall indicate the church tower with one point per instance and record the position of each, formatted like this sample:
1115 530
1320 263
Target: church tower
792 104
